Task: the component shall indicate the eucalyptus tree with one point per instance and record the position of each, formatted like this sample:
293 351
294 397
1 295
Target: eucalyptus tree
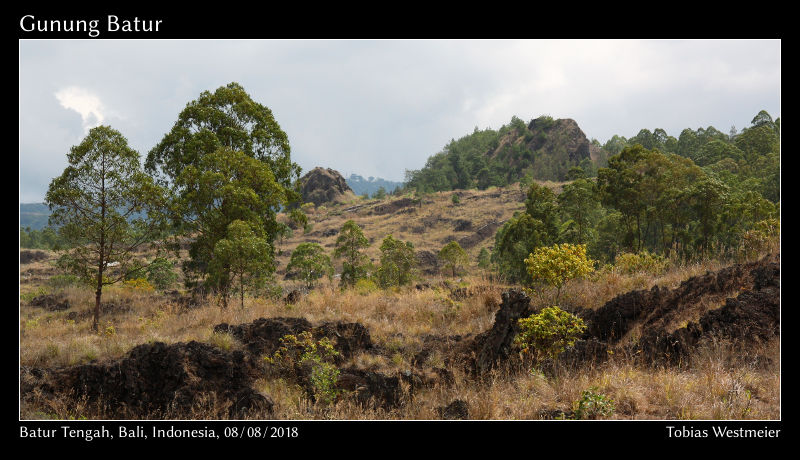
226 158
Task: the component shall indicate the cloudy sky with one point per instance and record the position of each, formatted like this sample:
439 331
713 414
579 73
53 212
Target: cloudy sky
378 108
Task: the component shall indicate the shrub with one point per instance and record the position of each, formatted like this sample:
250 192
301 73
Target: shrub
139 284
453 256
558 264
349 243
161 273
765 233
592 405
484 259
296 351
63 281
310 262
365 286
455 199
643 262
549 332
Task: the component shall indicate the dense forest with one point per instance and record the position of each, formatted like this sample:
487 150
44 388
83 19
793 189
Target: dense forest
705 193
544 149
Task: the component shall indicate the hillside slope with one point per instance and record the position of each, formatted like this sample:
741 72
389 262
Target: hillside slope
543 149
429 225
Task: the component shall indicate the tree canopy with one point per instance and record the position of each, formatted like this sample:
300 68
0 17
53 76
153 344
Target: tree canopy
104 207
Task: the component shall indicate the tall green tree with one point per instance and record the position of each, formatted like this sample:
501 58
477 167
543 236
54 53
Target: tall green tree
579 203
229 118
105 207
514 241
226 158
349 243
225 186
541 205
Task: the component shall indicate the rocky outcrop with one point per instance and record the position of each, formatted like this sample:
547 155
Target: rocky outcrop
159 379
562 135
321 185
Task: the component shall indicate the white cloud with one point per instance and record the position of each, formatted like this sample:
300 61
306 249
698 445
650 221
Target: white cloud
85 103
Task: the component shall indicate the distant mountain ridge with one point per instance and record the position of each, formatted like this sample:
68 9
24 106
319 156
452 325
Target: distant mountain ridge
370 185
33 215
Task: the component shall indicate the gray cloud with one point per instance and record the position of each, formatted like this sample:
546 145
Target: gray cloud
377 108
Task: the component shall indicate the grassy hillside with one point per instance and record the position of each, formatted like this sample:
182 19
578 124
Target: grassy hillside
410 352
428 225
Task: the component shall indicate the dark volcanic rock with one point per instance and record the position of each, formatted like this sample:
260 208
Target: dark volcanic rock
462 225
51 302
393 206
493 346
428 262
26 257
655 308
293 297
371 388
262 336
752 317
456 410
164 379
322 185
348 338
486 231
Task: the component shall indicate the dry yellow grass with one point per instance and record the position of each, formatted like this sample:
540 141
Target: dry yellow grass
709 387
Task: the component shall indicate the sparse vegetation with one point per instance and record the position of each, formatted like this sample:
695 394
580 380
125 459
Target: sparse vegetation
396 337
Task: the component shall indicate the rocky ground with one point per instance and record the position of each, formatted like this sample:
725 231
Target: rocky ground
655 327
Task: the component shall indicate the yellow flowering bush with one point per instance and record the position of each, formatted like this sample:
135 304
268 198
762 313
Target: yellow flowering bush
549 332
139 284
558 264
644 261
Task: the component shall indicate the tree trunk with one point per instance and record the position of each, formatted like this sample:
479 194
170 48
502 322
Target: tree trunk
98 293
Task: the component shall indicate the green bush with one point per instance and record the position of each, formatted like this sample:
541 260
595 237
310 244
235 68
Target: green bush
161 273
63 281
593 405
295 351
558 264
397 263
549 332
